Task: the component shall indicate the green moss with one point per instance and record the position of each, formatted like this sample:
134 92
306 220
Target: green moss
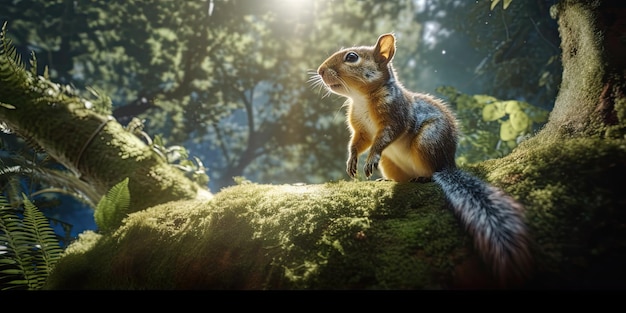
618 131
368 235
336 235
574 198
583 71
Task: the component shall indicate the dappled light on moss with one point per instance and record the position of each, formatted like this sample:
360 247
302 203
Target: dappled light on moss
373 235
335 235
569 188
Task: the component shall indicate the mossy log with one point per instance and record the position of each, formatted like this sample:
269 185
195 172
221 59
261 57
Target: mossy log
368 235
92 145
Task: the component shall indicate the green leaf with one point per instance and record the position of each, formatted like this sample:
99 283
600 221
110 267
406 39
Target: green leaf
520 121
507 132
113 207
485 99
493 111
12 271
511 106
7 261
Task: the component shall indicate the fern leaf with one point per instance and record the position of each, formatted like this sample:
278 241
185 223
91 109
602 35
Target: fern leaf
16 83
113 207
46 244
12 73
31 247
17 166
11 271
13 260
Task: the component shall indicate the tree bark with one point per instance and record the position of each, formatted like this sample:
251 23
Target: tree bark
593 47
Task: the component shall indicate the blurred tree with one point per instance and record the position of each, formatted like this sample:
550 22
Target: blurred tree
229 81
510 53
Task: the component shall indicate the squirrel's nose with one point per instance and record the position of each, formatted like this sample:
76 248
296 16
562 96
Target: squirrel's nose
321 71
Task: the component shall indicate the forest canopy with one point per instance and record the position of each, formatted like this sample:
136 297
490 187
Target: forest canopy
227 80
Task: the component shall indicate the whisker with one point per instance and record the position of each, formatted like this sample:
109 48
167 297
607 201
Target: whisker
311 72
314 77
343 83
316 82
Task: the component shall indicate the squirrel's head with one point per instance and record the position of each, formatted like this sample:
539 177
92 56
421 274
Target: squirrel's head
358 70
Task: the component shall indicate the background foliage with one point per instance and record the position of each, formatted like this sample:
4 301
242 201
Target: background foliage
227 79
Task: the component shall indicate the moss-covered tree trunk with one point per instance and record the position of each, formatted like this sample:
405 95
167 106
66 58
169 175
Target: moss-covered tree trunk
94 146
373 234
570 176
593 44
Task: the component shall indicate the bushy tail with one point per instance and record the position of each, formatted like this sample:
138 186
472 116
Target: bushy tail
495 221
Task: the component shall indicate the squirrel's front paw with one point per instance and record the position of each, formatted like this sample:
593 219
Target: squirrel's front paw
351 166
370 165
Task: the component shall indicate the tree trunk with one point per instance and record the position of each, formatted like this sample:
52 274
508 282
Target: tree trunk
593 43
93 146
382 234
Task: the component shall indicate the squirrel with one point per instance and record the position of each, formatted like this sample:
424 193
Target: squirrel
412 137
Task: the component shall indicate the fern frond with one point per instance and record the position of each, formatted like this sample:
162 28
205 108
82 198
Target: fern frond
12 70
13 272
16 83
30 247
65 181
113 207
46 248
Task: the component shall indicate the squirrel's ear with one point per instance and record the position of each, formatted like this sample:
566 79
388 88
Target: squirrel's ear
385 48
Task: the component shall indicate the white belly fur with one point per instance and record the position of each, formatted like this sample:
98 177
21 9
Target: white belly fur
399 152
360 112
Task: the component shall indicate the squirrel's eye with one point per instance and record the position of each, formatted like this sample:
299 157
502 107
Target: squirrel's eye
351 57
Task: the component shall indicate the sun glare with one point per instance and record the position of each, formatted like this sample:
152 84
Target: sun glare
292 6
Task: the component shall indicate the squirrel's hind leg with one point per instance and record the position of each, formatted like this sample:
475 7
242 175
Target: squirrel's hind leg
391 171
